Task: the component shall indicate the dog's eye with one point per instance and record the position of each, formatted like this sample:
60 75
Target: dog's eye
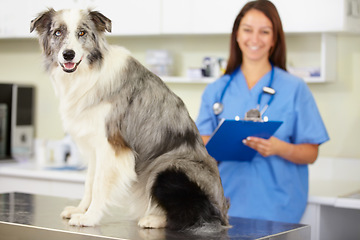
58 33
81 33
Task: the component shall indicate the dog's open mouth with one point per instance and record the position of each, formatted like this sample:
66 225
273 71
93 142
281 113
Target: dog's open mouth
70 67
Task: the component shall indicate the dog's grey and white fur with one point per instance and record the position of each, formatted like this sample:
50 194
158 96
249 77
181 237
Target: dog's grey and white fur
144 152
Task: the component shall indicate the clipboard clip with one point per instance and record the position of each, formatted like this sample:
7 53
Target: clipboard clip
253 115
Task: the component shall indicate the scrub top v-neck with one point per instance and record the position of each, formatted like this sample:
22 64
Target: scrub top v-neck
249 100
270 188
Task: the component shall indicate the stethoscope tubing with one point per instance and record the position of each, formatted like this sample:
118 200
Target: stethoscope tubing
218 107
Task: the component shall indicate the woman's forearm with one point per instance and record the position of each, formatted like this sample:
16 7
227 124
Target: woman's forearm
298 153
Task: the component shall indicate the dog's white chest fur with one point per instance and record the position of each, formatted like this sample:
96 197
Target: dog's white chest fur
87 123
80 118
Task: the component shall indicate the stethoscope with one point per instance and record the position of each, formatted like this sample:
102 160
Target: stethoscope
218 107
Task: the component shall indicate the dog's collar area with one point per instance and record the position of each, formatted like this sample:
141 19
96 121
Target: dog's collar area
70 67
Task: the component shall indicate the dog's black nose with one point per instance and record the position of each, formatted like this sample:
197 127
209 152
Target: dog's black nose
69 55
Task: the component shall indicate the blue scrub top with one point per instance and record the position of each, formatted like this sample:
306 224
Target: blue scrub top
269 188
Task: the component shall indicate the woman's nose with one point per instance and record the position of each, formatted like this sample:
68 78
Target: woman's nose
254 37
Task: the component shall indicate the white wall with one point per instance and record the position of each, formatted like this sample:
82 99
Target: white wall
339 102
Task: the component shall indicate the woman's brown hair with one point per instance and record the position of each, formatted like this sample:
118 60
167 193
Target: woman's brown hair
277 54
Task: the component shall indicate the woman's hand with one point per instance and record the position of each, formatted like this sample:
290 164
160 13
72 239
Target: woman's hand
297 153
266 147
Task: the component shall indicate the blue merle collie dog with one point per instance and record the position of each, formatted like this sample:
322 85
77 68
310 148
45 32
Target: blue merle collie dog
144 152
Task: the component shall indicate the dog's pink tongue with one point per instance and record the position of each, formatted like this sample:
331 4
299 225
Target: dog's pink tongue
69 65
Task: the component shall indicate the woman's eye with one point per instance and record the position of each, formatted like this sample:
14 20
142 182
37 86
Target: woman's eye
81 33
58 33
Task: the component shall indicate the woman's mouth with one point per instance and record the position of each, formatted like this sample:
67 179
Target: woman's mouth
254 48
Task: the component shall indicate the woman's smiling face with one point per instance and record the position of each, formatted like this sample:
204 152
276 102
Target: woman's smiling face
255 36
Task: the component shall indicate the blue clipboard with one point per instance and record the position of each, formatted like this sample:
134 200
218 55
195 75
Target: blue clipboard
225 144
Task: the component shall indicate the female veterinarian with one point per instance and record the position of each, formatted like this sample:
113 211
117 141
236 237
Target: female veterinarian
274 184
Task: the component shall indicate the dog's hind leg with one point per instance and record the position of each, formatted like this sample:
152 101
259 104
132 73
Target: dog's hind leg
114 175
153 221
186 205
154 218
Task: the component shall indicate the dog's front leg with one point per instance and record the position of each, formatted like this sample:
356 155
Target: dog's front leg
89 181
114 174
93 214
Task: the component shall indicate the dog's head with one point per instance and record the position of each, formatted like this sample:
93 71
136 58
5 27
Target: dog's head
70 38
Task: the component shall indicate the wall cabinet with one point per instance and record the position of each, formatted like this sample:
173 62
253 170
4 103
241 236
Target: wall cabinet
16 15
199 16
148 17
319 15
213 16
135 17
169 17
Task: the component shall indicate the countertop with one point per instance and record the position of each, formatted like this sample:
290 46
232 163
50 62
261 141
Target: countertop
30 169
330 188
28 216
335 182
337 193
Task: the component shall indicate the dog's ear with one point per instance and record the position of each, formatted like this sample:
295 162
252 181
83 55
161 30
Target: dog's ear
43 21
101 22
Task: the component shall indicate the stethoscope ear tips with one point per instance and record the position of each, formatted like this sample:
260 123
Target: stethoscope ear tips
218 108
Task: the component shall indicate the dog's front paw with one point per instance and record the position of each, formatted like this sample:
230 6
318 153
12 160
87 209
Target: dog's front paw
152 221
69 211
83 220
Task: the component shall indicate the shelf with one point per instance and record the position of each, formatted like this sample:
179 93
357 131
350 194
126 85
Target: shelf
172 79
184 80
328 61
328 50
314 79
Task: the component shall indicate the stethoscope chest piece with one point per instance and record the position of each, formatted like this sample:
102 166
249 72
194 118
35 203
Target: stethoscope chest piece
218 107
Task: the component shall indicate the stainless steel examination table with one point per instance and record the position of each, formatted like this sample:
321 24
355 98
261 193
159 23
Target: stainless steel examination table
27 216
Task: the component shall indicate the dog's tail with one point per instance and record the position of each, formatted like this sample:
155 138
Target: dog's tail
187 206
